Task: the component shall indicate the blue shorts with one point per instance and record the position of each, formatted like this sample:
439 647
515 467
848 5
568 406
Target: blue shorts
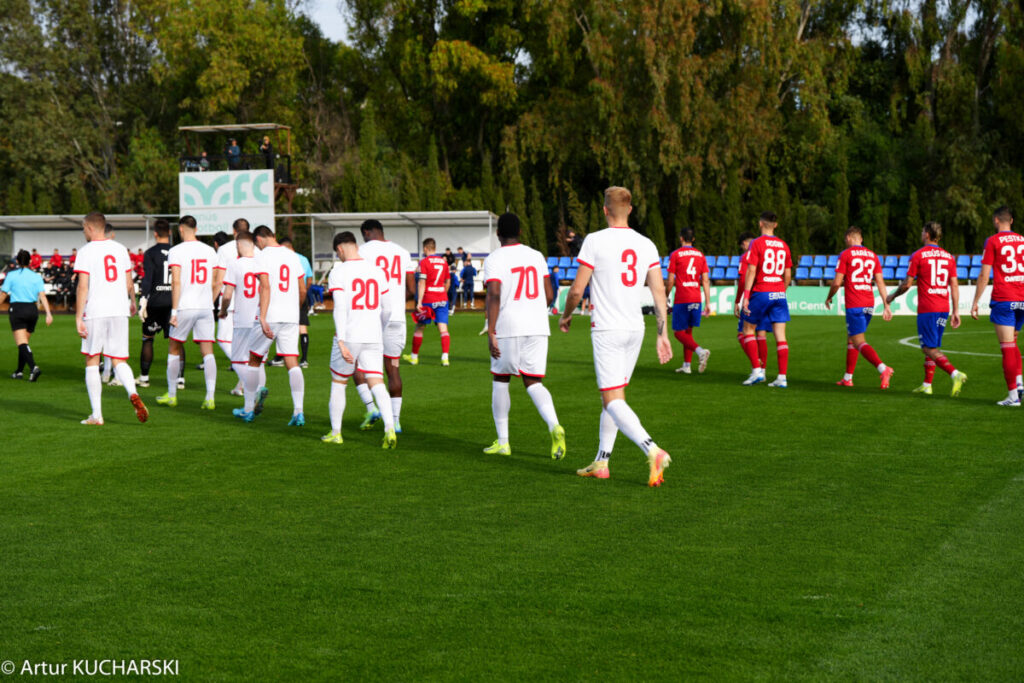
767 308
759 327
440 311
1007 313
857 320
685 316
930 327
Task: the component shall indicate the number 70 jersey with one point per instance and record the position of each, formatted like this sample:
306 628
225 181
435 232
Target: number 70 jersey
620 259
524 304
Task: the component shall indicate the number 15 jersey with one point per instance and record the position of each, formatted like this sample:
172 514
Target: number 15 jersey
524 305
620 259
932 266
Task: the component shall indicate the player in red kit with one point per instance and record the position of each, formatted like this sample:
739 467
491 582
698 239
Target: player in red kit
688 273
857 270
433 297
1003 260
935 271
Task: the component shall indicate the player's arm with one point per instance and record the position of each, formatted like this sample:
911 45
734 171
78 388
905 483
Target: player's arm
787 276
81 297
671 282
218 280
748 287
837 282
657 287
421 287
492 304
979 288
45 304
265 305
954 293
583 274
225 299
410 286
880 283
705 283
302 289
901 290
175 271
341 323
549 291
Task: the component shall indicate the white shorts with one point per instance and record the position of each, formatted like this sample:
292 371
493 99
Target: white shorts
394 339
226 327
108 336
526 356
244 339
369 360
286 336
198 321
615 356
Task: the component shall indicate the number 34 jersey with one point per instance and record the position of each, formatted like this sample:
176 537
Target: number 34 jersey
524 304
396 264
358 289
620 259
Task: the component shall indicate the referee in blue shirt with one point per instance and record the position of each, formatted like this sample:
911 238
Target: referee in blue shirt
25 287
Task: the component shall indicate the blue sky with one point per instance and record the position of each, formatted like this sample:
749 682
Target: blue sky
327 14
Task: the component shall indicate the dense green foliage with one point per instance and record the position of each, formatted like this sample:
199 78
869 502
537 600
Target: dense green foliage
882 113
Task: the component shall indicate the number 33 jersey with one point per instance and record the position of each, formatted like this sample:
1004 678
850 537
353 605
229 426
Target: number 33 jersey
620 259
524 303
396 264
358 288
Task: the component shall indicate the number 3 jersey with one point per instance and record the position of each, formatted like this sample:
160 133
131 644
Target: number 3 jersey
196 261
858 266
1004 251
772 258
242 274
358 289
620 258
396 263
524 304
284 273
105 262
932 266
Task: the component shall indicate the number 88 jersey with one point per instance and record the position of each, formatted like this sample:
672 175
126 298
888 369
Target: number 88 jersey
1004 251
358 288
620 259
772 258
524 305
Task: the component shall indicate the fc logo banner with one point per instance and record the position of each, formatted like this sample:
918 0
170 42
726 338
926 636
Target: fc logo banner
217 199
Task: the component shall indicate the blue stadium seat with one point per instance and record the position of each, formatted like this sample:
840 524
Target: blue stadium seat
710 260
833 260
976 260
664 261
963 260
830 272
820 261
975 273
889 273
890 262
734 262
803 273
805 262
817 273
575 262
962 272
552 261
732 273
570 274
901 273
565 262
718 273
904 262
664 273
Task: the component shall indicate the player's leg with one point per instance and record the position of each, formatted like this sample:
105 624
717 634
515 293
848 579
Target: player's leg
761 337
175 350
851 349
441 318
501 405
749 339
286 336
372 415
304 337
123 371
394 389
145 359
681 331
931 338
341 371
1006 334
25 358
94 387
370 361
862 346
417 342
531 360
778 315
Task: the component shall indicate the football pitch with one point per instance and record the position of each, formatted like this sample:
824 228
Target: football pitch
815 532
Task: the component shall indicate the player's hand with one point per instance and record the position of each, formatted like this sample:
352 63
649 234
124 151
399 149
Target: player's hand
345 353
746 309
266 329
664 347
564 322
83 332
974 311
49 319
224 314
828 303
887 313
954 320
143 306
706 311
736 309
132 309
492 345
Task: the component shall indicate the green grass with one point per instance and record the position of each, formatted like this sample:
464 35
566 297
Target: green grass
815 532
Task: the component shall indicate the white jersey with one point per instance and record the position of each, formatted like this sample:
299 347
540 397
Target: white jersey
227 253
283 269
245 301
524 305
105 262
358 289
195 261
620 259
396 264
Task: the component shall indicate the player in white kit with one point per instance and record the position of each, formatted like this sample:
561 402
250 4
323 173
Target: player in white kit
400 274
282 291
227 253
191 263
242 294
361 309
518 295
106 300
616 262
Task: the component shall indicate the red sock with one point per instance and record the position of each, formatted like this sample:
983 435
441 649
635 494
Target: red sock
1011 357
851 359
445 342
739 338
685 338
750 346
417 342
762 350
783 350
929 371
946 366
870 355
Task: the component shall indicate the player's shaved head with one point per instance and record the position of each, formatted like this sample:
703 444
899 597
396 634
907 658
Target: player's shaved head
371 228
854 234
245 243
768 217
1003 214
618 202
508 226
244 237
95 221
429 245
344 238
687 234
162 228
240 225
933 231
187 222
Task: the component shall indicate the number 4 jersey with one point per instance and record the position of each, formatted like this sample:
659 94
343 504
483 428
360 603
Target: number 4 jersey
620 259
858 266
524 305
1004 251
932 266
195 261
358 289
241 273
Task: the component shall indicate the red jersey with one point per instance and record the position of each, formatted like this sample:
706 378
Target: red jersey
741 281
771 257
858 266
688 265
1004 251
932 266
56 261
435 270
35 261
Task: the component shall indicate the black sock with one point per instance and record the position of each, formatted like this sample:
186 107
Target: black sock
304 343
22 357
146 357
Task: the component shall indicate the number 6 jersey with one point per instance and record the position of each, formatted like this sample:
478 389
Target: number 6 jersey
105 262
358 289
620 259
524 304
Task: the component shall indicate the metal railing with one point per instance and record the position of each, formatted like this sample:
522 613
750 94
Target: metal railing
280 163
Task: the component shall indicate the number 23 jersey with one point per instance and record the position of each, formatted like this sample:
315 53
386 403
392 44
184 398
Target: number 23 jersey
524 304
620 259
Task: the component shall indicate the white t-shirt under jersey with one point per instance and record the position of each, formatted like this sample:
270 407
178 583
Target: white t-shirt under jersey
396 264
621 259
241 274
524 306
358 288
284 272
196 261
106 262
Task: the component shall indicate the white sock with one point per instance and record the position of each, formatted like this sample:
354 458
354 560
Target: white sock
238 370
782 377
366 396
336 405
380 392
262 372
685 364
126 377
1013 395
848 377
699 350
173 366
106 368
444 356
396 407
607 432
1020 381
94 385
251 379
210 373
629 424
225 347
501 404
298 385
545 406
882 367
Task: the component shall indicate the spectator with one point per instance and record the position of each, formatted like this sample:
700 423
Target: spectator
267 150
467 275
137 259
56 261
71 259
555 284
35 262
460 255
234 155
453 288
450 258
574 242
204 162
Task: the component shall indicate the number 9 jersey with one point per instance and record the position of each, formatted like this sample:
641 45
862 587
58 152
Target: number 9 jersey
524 304
620 258
284 273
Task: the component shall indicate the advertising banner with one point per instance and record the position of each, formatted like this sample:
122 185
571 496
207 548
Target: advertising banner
217 198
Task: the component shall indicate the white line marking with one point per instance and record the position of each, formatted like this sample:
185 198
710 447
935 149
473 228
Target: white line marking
914 344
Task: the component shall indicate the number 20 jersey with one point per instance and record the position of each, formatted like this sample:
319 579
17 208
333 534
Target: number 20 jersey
396 264
358 288
524 306
620 258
